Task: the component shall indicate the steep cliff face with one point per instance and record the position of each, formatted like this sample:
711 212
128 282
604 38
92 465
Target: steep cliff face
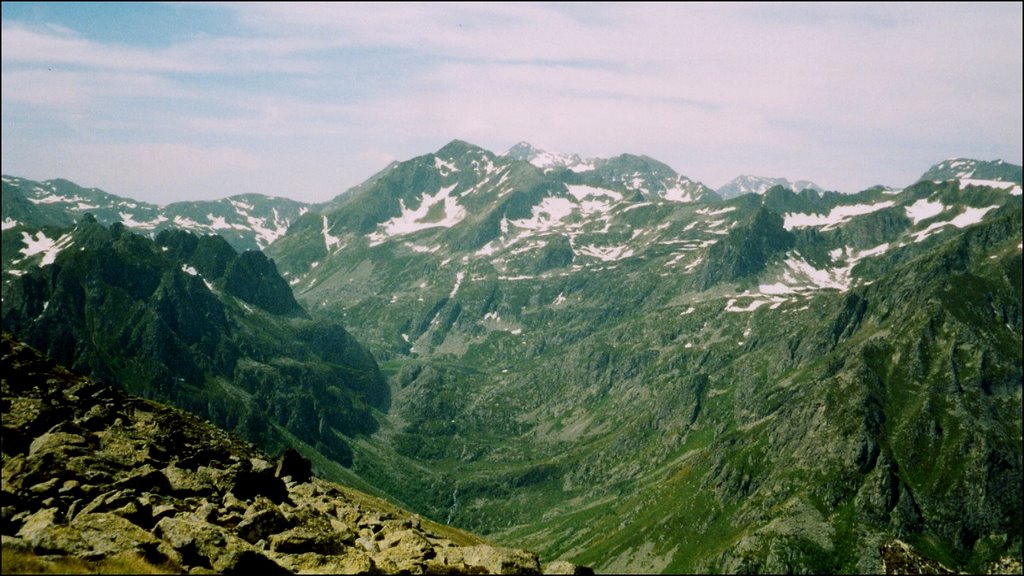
97 480
188 321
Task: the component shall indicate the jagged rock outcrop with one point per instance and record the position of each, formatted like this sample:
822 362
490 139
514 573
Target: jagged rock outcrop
92 476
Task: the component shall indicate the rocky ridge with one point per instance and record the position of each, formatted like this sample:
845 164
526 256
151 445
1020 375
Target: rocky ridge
246 221
93 478
748 184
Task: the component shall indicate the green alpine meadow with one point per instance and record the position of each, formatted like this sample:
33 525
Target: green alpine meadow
599 360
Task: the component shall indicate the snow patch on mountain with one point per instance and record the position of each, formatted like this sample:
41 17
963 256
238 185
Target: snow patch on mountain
548 160
593 200
330 241
775 289
419 249
677 193
835 217
240 205
52 199
965 182
182 222
924 209
606 253
837 278
458 282
582 192
414 219
129 221
220 222
8 223
712 212
41 244
748 184
444 168
266 236
967 217
753 305
546 215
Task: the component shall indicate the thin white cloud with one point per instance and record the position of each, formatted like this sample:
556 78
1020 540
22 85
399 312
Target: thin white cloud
847 95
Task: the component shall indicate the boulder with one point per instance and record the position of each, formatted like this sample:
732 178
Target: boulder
199 543
352 561
563 567
108 534
497 560
305 538
61 443
188 483
37 522
247 562
262 519
91 535
146 479
248 484
405 551
293 464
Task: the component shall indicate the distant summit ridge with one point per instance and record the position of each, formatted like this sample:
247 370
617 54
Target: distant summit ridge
749 184
544 159
970 169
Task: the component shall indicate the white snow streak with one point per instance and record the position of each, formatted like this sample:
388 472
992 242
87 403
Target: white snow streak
776 289
444 168
546 215
458 282
606 253
127 220
836 216
965 182
40 244
923 210
677 194
966 218
412 220
329 240
730 306
710 212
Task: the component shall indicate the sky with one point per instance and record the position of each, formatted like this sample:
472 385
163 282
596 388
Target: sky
180 101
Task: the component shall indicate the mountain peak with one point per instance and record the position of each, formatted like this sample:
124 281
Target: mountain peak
525 151
521 151
750 184
971 169
457 148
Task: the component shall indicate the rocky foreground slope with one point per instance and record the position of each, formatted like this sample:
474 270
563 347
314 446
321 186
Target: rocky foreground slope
94 480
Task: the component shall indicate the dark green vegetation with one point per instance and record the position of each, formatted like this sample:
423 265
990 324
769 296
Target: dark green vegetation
189 321
613 366
98 481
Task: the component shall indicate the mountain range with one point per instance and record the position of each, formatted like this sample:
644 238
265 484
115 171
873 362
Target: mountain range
246 221
600 360
759 185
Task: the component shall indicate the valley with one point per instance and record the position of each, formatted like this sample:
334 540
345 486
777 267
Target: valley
599 360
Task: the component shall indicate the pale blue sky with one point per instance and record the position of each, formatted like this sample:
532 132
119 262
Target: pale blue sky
165 102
